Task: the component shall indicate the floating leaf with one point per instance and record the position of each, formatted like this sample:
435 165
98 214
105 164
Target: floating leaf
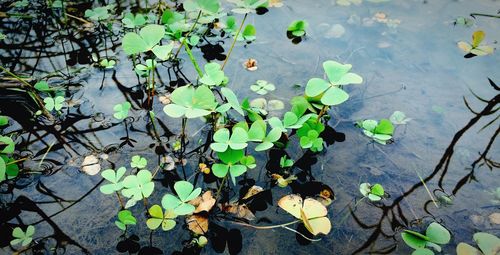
262 87
310 211
138 162
185 192
399 118
114 178
90 165
138 186
22 237
190 102
158 218
121 110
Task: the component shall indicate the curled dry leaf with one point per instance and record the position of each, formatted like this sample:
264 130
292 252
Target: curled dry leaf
90 165
203 203
240 211
165 99
198 223
250 64
254 190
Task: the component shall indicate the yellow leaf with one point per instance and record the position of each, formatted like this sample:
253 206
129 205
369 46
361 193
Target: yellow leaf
292 204
466 47
477 38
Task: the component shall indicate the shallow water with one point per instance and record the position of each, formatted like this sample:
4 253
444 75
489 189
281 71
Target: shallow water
414 67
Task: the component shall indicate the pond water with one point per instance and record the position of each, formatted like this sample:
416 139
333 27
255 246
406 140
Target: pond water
407 53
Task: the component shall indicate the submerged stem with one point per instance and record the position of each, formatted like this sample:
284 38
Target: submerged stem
234 41
267 227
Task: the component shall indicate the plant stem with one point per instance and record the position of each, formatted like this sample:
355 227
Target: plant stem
220 187
31 92
78 18
120 200
193 60
16 161
267 227
188 33
322 112
485 15
234 41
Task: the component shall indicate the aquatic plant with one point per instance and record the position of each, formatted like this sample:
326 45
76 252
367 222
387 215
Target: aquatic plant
138 162
121 110
234 162
139 186
54 103
114 177
125 218
399 118
262 87
158 218
373 192
99 13
107 63
191 102
298 27
329 92
22 237
214 76
310 211
381 132
488 245
185 193
475 48
435 234
286 162
147 40
132 21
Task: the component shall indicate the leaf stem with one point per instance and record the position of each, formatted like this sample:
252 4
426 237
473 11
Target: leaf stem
267 227
188 33
193 60
234 41
220 187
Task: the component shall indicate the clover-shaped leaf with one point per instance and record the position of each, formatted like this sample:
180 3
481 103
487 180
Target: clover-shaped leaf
185 192
138 162
190 102
374 193
231 164
329 91
125 218
312 141
147 39
107 63
22 237
144 70
248 34
206 6
138 186
53 103
257 133
312 213
286 162
131 21
121 110
158 218
290 120
114 178
380 132
8 168
474 48
298 27
236 141
42 86
98 13
262 87
214 76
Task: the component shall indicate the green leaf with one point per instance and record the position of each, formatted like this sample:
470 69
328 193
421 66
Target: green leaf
42 86
184 190
8 143
257 131
422 251
174 111
384 127
335 71
170 201
334 96
232 100
152 34
3 169
316 86
488 243
184 209
163 52
220 170
236 170
231 156
249 32
377 189
121 110
214 76
209 6
437 233
133 44
412 240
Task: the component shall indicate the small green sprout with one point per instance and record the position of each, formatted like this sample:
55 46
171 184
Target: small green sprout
125 218
121 110
53 103
138 162
234 162
286 162
298 28
107 63
372 192
22 237
381 132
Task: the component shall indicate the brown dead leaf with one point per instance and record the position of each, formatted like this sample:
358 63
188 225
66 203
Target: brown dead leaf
250 64
165 99
198 223
240 211
254 190
494 218
203 203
